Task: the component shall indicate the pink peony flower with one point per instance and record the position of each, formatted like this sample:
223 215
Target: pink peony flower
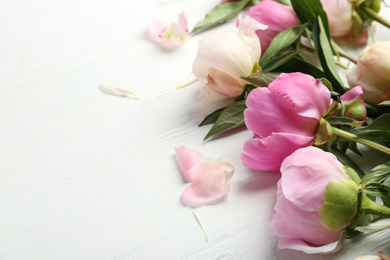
277 16
210 177
224 57
339 14
372 72
283 117
172 36
301 221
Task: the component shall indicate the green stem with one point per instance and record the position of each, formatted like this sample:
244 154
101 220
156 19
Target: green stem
340 64
370 207
357 139
374 16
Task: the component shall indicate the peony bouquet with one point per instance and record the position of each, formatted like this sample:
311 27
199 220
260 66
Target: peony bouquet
305 120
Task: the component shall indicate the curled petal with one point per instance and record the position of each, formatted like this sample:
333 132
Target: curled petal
210 176
187 158
183 22
212 182
267 154
297 244
265 116
354 104
224 84
301 93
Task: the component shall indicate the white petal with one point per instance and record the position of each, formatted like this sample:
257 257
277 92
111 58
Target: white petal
112 90
375 227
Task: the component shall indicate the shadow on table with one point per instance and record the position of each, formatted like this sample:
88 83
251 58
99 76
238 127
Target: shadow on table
259 180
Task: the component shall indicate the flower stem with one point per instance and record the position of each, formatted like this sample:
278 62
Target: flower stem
357 139
370 207
187 83
342 65
373 15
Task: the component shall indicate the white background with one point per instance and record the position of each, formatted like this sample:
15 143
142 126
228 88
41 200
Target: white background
85 175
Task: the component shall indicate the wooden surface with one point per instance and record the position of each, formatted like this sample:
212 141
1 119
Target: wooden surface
86 175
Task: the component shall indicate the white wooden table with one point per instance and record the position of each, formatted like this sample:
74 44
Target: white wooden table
85 175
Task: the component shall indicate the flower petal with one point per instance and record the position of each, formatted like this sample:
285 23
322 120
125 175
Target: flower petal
307 171
264 116
291 222
187 158
169 36
183 22
224 84
276 16
212 182
297 244
233 51
301 93
267 154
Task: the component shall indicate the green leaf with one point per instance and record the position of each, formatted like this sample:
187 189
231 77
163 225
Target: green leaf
335 120
211 118
309 10
278 61
230 118
221 13
378 174
281 42
385 103
344 159
325 54
377 190
378 131
259 79
296 64
327 84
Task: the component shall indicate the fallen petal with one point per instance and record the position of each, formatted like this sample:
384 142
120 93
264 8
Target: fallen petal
212 182
187 158
112 90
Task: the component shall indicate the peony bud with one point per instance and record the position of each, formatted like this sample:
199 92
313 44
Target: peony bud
372 72
316 200
224 57
339 14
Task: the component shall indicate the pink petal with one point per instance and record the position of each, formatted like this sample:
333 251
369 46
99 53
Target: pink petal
301 93
352 94
305 175
187 158
339 16
278 17
291 222
156 27
183 22
169 36
264 116
297 244
212 182
268 154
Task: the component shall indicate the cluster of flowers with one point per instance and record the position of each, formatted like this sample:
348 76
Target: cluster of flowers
299 122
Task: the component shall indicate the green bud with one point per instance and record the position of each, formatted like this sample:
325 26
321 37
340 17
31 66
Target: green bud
341 204
352 174
324 132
